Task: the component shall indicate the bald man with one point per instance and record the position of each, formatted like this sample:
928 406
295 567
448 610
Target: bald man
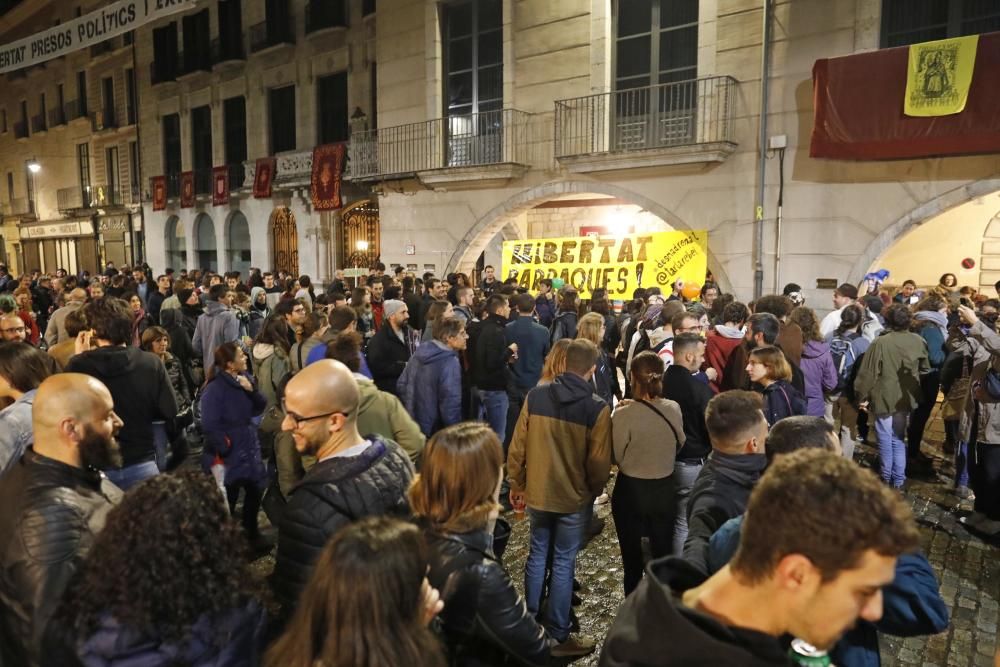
56 332
354 476
12 328
55 501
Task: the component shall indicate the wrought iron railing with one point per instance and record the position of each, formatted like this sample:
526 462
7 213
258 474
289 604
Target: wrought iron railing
39 123
699 111
162 71
57 117
76 197
237 174
226 50
203 181
485 138
195 60
105 119
322 14
271 33
74 109
20 129
173 185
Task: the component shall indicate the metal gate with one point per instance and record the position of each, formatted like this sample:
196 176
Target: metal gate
361 236
285 241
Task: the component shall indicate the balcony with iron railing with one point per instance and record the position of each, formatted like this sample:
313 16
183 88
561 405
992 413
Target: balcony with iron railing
271 33
202 180
105 119
227 50
237 175
107 196
18 207
57 117
39 123
173 185
73 110
21 129
489 145
163 71
671 123
325 14
74 198
195 60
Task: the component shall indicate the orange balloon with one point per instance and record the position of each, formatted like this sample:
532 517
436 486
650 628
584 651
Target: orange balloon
691 291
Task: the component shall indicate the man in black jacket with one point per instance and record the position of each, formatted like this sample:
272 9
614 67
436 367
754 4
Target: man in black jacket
355 476
819 542
138 383
491 359
391 346
693 395
737 429
54 501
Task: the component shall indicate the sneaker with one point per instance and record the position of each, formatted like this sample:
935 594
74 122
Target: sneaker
965 493
574 647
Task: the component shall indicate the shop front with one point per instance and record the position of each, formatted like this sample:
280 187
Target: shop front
116 238
62 244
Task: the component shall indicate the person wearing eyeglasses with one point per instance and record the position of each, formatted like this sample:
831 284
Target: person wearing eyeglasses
354 476
12 328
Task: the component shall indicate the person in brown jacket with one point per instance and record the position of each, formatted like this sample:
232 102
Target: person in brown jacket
559 461
63 351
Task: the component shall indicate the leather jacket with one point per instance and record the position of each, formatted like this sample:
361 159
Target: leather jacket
485 621
55 510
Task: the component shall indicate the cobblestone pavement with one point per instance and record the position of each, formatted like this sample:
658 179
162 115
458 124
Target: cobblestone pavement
967 567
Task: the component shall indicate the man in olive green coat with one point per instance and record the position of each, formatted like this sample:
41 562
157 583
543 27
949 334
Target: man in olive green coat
888 386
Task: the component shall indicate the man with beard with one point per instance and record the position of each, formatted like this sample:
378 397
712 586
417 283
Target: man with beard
137 380
56 501
354 476
378 291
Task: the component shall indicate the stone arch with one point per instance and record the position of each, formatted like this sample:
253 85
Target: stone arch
921 214
206 245
496 219
238 243
175 243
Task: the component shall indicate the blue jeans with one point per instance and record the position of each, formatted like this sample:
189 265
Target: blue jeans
127 477
494 405
565 533
684 475
890 431
961 464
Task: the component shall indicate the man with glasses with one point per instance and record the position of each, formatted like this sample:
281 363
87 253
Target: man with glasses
12 328
354 476
683 322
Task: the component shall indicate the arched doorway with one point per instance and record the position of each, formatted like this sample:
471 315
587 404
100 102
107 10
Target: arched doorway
942 243
205 245
238 244
175 243
361 239
494 221
285 241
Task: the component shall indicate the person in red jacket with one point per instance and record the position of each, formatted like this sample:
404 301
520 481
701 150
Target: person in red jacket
723 339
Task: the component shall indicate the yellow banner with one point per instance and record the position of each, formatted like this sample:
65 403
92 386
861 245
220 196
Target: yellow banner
938 76
618 263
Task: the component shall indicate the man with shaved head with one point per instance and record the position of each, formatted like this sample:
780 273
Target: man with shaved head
355 475
56 332
55 500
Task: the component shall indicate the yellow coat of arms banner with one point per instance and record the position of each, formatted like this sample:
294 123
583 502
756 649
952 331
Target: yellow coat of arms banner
938 76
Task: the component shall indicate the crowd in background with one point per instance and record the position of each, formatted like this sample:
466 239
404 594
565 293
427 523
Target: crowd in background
385 429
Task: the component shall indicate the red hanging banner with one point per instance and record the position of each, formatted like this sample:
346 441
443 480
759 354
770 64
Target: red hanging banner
327 168
220 186
158 184
858 109
187 189
263 177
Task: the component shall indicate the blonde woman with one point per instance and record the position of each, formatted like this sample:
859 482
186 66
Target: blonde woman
592 327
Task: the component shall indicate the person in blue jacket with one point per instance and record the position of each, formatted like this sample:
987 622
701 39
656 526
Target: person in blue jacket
431 384
930 321
912 604
230 407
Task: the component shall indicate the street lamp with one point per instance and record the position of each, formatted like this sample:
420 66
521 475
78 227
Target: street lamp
33 166
362 248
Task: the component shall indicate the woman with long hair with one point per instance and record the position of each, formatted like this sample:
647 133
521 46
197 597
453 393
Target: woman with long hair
157 341
313 329
647 433
555 362
438 310
23 367
946 287
454 498
592 327
817 366
564 323
139 320
182 591
771 375
846 347
930 322
305 291
367 603
229 404
273 368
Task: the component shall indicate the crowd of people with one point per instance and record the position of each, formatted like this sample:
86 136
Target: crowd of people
387 430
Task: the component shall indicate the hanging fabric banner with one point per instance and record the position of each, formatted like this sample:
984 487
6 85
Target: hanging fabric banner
939 75
327 168
115 19
220 186
263 177
159 188
617 263
187 189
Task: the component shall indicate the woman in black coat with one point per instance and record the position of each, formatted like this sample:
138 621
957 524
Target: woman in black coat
485 620
771 375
